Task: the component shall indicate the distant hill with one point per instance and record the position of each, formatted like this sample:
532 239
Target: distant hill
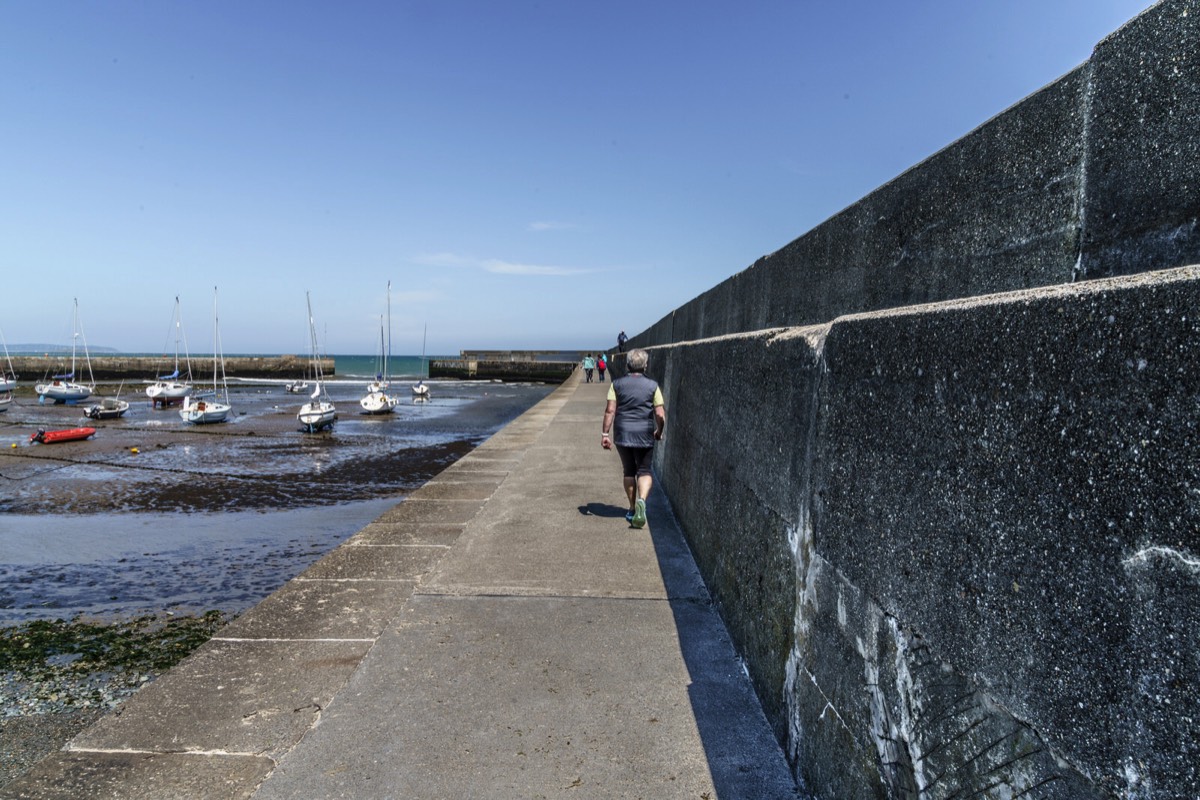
40 349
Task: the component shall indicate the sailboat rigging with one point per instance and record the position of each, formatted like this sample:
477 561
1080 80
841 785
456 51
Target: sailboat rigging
173 387
420 389
62 388
215 405
377 400
319 413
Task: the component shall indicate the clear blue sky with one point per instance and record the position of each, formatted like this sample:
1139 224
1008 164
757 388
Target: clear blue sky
527 174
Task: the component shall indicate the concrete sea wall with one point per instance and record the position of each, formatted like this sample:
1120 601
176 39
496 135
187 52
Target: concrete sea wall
936 458
140 368
501 369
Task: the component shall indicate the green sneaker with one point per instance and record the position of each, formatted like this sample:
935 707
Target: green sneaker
639 514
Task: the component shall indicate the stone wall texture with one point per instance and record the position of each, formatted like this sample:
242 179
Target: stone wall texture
937 462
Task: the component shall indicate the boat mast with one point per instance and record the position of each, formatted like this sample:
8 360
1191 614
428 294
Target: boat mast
217 354
312 333
388 356
7 358
87 358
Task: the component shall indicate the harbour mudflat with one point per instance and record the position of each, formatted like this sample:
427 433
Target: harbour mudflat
153 514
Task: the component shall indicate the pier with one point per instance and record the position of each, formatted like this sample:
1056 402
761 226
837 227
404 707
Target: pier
501 633
544 366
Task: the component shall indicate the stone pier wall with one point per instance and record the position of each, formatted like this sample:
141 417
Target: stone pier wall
33 369
937 457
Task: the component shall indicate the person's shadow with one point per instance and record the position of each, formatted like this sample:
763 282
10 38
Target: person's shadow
602 510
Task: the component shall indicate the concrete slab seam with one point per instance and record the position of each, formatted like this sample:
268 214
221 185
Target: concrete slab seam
277 639
356 580
414 545
129 751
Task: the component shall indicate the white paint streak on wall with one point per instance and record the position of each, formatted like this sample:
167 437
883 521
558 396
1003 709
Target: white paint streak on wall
1145 556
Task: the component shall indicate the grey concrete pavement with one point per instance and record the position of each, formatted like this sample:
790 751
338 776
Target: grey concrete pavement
502 633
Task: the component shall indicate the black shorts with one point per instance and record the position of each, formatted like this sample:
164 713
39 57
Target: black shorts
635 461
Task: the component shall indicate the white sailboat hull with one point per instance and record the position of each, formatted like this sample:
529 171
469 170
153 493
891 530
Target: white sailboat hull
168 390
7 383
378 402
203 412
63 391
317 415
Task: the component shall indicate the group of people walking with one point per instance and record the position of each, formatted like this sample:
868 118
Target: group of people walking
593 363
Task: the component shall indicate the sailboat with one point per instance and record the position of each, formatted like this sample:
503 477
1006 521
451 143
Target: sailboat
419 389
62 388
377 400
173 387
8 379
319 413
214 408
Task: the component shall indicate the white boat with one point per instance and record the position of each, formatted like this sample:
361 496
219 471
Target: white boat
8 379
319 412
420 390
296 387
377 400
107 408
63 388
173 387
206 410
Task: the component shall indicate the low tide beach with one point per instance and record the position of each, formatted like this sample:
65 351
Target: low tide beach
154 517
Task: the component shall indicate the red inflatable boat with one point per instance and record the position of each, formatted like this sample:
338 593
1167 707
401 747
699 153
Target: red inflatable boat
67 435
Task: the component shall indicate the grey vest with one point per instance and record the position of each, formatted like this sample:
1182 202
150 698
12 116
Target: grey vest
634 423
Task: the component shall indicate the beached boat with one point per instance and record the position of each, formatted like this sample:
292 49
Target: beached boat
319 413
64 435
174 386
201 412
420 390
296 387
5 400
377 400
107 408
63 388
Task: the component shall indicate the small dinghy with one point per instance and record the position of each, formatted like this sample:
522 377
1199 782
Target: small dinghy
65 435
107 408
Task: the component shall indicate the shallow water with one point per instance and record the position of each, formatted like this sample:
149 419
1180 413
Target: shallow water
153 515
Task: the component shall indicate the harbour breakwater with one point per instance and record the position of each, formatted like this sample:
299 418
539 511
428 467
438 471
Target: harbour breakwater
936 457
144 368
507 365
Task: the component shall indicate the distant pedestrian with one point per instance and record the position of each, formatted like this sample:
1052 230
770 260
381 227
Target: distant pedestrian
601 365
589 366
634 419
621 340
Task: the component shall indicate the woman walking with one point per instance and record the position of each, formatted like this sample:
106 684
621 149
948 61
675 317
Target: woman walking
634 419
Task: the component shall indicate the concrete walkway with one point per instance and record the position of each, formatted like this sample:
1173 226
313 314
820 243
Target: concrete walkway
502 633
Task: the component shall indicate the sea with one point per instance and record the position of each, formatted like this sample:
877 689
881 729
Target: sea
217 517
